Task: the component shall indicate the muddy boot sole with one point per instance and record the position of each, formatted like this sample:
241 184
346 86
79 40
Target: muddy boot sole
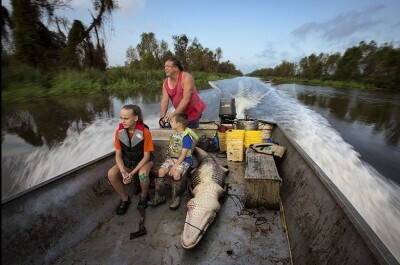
154 203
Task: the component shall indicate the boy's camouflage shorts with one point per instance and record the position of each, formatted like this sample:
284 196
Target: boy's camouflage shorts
184 166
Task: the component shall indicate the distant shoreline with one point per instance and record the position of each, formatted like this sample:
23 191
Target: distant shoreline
24 82
328 83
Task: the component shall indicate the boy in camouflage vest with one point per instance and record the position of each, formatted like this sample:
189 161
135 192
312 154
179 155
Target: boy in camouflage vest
181 144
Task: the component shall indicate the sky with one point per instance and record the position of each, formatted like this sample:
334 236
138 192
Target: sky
251 34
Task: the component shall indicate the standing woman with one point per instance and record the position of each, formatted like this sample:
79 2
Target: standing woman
179 87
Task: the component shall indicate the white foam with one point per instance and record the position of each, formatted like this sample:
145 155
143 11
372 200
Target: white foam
77 149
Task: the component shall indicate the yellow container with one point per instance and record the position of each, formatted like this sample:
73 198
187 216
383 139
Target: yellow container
253 134
234 145
253 137
222 141
234 150
235 135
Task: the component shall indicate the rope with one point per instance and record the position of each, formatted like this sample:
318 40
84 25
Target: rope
238 201
201 230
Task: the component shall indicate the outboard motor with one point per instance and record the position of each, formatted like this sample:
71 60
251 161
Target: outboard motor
227 110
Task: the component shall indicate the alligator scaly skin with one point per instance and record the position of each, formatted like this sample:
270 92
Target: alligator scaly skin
208 181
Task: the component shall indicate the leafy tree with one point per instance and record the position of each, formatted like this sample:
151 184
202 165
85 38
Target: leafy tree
164 52
348 66
195 56
37 45
132 57
365 63
151 54
218 54
181 44
229 68
331 64
285 69
74 51
386 68
368 52
148 44
148 61
311 66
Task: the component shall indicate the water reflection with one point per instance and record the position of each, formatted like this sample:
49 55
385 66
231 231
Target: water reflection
381 110
45 121
39 135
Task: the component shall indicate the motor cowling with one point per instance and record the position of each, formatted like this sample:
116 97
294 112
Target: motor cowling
227 110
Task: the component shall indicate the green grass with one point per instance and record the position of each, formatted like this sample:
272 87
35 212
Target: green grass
201 79
21 82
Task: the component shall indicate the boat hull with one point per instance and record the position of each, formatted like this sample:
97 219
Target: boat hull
46 221
323 226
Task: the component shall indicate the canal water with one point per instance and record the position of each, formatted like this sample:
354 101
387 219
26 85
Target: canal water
352 135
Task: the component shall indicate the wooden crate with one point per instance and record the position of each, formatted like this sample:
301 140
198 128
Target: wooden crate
262 181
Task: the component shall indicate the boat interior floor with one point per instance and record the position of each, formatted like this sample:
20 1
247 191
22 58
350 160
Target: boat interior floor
237 236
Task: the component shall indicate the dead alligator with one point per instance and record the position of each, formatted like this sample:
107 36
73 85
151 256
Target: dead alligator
208 183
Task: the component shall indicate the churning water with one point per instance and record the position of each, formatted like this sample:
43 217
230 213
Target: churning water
375 197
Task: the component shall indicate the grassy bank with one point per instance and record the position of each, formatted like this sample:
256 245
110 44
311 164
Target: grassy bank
319 82
23 82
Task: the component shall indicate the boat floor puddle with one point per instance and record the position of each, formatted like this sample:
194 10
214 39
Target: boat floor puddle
237 236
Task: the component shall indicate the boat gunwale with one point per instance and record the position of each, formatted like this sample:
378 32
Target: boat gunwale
373 242
58 177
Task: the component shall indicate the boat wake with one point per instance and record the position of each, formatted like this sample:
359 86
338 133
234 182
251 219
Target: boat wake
375 197
78 148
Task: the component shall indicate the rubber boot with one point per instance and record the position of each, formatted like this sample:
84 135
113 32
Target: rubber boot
159 193
142 203
178 187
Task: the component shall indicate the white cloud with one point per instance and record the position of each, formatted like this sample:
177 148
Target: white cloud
125 7
129 7
79 4
343 25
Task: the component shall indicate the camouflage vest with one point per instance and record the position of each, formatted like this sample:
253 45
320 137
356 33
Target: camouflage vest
176 143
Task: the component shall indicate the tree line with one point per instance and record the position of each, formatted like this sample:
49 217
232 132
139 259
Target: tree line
34 35
151 53
366 63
